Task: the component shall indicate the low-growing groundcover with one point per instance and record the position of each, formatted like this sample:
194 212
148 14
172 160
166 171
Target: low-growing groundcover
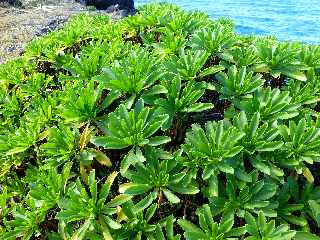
163 125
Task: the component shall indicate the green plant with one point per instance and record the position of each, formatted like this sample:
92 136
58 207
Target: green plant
304 93
244 56
210 149
35 85
205 146
190 65
163 177
170 44
61 145
272 104
168 226
10 108
20 141
259 137
297 206
133 128
182 98
280 58
13 71
132 75
309 55
260 228
137 218
26 221
301 142
80 106
50 186
96 212
64 144
213 40
254 195
238 83
89 63
210 229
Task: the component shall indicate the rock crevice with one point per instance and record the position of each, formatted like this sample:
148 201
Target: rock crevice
108 4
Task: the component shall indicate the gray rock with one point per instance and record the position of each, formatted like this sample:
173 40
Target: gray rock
53 24
105 4
16 3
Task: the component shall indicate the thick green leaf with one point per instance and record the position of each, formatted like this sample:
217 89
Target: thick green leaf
170 196
306 236
189 227
134 188
158 140
315 208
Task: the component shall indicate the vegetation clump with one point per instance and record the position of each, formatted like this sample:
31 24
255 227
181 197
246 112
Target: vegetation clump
163 125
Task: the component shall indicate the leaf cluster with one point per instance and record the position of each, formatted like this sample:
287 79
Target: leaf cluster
162 125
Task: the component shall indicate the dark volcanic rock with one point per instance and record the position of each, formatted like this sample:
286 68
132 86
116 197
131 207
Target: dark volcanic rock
11 2
54 23
106 4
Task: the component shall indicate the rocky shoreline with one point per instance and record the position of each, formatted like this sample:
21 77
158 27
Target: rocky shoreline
18 26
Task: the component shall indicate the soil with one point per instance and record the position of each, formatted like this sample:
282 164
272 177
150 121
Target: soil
18 26
274 82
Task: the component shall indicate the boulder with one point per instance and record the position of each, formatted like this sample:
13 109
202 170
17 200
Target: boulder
16 3
107 4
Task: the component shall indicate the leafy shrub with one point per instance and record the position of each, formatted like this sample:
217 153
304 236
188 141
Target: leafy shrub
162 125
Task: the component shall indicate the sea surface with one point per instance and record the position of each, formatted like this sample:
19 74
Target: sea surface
297 20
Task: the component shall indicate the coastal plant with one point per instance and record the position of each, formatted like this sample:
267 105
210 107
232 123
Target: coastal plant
304 93
137 220
92 59
214 40
10 109
61 145
21 140
301 142
50 187
91 209
12 72
165 178
132 128
309 55
210 229
238 83
280 58
35 85
296 204
272 104
182 99
26 222
210 148
166 231
253 196
260 228
165 124
190 65
133 74
259 137
79 107
244 56
169 45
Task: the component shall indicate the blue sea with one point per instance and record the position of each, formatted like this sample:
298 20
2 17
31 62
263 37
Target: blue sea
286 19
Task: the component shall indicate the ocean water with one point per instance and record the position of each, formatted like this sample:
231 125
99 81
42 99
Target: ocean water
297 20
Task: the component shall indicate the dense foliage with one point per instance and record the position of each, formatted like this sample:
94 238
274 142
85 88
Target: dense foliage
163 125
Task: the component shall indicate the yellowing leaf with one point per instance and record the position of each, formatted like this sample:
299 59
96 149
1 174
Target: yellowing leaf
85 137
120 214
83 173
103 159
308 175
43 135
